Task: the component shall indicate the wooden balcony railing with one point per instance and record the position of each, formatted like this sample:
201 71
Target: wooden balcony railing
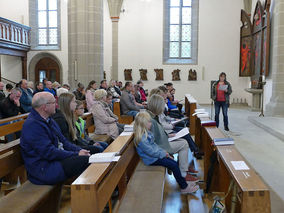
14 35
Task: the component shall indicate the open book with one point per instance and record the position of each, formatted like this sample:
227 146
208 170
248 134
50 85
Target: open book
223 141
104 157
178 120
180 134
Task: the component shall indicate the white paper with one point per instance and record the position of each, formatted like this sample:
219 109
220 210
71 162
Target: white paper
239 165
116 158
180 134
126 133
199 110
128 128
205 115
223 87
200 113
179 120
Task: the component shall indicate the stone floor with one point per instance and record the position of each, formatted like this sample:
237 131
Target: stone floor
263 150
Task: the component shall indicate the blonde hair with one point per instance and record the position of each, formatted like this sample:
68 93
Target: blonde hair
140 126
156 104
64 101
55 84
155 91
99 94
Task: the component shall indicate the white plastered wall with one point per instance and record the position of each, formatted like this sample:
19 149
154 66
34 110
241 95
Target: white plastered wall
20 14
140 40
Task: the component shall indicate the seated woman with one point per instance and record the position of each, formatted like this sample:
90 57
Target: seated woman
112 89
153 155
174 101
81 127
90 100
105 120
65 119
156 106
165 121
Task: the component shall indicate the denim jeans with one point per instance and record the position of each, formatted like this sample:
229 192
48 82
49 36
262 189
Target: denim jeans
132 113
173 166
224 105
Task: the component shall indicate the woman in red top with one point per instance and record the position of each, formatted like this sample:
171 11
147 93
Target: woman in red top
221 95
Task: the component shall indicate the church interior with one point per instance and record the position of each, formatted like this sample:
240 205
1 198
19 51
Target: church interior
185 42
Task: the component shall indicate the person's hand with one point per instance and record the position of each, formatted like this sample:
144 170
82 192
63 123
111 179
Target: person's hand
169 156
172 135
226 90
84 152
17 102
97 144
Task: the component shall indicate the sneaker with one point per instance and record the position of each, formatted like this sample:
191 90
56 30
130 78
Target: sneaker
192 170
191 178
189 189
227 128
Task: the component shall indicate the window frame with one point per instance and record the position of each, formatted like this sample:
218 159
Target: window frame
35 45
194 35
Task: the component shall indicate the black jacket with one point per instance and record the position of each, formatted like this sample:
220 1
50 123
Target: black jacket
62 123
8 108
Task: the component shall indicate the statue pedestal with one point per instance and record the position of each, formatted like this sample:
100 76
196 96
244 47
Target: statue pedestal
256 98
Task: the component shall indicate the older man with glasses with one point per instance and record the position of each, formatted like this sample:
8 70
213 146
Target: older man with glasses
49 157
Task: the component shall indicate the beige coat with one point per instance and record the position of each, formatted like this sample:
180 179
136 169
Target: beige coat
105 120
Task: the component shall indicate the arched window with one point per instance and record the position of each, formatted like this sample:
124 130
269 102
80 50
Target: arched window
45 23
180 31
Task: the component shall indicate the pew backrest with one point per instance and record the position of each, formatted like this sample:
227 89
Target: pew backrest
12 124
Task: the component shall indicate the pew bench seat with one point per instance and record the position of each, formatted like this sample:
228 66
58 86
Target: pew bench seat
144 191
32 198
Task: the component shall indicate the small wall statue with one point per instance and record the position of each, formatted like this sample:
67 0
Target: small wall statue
175 75
128 74
143 74
159 74
104 74
192 75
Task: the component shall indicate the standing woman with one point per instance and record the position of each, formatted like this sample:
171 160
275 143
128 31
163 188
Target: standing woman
221 95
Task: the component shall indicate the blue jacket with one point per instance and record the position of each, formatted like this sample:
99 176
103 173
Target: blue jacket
52 91
39 147
26 100
149 151
170 105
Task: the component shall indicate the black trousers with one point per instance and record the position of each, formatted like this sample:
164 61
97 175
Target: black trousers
75 165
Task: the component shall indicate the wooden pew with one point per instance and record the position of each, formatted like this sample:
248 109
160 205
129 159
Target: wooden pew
147 183
28 197
123 119
190 106
198 128
12 124
91 191
90 126
252 194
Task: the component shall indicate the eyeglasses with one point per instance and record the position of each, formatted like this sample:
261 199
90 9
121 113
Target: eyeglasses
51 102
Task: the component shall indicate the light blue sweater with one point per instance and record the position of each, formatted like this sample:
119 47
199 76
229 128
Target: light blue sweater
149 151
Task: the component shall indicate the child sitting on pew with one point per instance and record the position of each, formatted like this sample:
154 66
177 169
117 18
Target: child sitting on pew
152 154
80 125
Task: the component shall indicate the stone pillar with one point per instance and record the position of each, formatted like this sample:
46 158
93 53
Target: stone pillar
114 11
276 105
85 41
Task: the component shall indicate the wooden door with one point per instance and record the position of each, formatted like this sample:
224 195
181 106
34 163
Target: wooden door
47 68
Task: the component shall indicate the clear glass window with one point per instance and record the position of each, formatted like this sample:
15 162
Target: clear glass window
47 16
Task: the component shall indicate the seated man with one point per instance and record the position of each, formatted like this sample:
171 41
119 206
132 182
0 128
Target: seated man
80 92
127 101
49 158
27 95
48 88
